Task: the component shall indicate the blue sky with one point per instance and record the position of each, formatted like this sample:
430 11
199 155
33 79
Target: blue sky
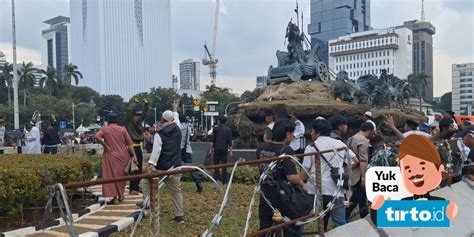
250 32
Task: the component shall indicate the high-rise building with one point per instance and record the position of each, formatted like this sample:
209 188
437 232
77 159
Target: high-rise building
370 52
423 52
122 47
174 78
462 86
331 19
2 61
56 48
262 81
189 75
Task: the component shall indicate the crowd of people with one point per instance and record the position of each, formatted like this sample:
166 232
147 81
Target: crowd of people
169 145
281 136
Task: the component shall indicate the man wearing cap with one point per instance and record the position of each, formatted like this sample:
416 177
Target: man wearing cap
435 124
368 118
411 127
136 131
33 139
2 135
166 155
359 144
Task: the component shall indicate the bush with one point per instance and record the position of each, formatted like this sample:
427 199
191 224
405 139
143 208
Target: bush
24 178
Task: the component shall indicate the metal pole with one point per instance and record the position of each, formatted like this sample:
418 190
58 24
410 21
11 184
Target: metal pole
73 119
319 192
155 115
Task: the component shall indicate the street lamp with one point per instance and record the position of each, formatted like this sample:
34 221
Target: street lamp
155 114
74 115
236 102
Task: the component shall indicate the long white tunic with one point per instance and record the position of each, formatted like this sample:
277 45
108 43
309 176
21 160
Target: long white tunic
33 141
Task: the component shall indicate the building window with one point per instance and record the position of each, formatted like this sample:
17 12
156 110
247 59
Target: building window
388 70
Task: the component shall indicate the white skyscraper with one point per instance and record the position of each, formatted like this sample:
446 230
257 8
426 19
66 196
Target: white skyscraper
189 75
370 52
122 47
462 85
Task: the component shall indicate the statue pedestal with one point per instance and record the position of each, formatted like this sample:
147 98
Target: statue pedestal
308 100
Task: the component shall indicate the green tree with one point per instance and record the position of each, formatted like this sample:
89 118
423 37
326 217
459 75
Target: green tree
249 96
49 80
418 81
445 102
70 71
6 79
27 79
82 93
115 103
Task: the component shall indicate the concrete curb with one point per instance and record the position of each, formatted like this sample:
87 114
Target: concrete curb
59 221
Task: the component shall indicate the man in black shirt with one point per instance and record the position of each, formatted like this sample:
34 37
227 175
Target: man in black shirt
221 144
286 170
51 137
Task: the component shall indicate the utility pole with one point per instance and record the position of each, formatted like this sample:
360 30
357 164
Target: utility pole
16 112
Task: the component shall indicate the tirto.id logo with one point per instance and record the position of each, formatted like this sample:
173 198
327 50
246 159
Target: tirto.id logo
413 214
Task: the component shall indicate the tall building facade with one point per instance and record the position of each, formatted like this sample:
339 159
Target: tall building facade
2 61
262 81
56 48
122 47
189 75
370 52
462 86
174 79
331 19
423 52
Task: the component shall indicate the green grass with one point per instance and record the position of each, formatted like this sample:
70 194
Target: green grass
199 211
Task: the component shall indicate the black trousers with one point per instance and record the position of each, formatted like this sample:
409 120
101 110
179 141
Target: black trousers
50 150
265 214
220 157
358 198
135 184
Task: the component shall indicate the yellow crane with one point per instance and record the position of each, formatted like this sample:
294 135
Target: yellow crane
211 59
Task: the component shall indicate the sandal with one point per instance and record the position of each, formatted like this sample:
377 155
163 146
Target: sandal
121 198
114 201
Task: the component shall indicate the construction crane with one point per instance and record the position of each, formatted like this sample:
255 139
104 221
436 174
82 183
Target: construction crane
210 57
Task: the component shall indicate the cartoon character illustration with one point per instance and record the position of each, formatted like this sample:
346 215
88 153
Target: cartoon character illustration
421 170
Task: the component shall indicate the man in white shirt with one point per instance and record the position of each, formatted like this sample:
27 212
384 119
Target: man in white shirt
368 118
320 131
33 139
166 155
299 142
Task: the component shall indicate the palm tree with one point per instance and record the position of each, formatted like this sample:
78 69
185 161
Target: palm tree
27 79
70 71
418 81
7 78
49 80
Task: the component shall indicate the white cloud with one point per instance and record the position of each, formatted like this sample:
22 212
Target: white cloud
22 54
